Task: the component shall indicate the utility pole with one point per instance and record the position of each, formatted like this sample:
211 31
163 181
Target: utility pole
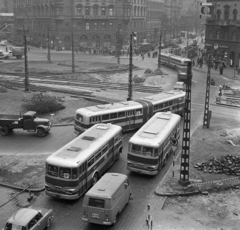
184 170
159 50
49 43
171 22
73 56
26 60
132 37
207 112
118 44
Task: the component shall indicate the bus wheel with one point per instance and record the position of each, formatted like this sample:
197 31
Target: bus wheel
4 130
95 178
174 142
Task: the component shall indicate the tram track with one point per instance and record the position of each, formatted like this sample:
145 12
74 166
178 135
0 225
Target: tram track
86 84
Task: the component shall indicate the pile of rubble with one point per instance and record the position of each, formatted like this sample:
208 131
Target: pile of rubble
227 164
3 89
138 79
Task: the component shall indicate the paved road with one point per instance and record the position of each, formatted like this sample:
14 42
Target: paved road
68 213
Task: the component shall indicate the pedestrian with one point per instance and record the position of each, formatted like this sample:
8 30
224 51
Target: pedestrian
149 55
142 56
221 69
193 63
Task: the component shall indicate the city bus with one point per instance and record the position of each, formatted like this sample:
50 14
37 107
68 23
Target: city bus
130 115
150 147
78 165
174 61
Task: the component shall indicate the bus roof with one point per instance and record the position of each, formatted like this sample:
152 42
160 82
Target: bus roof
83 146
107 185
130 105
154 132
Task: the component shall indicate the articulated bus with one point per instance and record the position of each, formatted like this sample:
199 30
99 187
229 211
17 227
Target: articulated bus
174 61
130 115
150 147
78 165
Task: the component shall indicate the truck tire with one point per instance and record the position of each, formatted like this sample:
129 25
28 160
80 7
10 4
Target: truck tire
4 130
41 132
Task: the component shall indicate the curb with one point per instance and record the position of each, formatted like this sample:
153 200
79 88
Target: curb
225 105
178 194
60 125
20 188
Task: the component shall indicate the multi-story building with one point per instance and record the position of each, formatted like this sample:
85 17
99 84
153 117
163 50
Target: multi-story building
155 11
6 6
171 18
222 33
93 23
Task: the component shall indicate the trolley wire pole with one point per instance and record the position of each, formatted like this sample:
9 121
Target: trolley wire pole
132 37
118 44
184 169
25 60
73 45
159 51
49 54
207 112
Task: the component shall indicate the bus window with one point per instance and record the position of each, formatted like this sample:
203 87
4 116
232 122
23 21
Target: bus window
65 173
98 155
115 139
74 173
90 162
155 107
105 117
105 149
170 102
79 117
155 152
136 148
52 170
139 111
160 106
121 114
113 115
147 151
165 104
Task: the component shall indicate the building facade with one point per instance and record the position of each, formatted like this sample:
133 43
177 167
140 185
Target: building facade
155 10
93 23
222 33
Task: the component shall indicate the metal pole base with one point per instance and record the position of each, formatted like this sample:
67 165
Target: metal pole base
184 183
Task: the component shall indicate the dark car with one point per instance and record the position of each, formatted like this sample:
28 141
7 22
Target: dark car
33 218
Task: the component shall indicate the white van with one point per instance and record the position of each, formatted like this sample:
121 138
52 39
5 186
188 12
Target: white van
179 86
106 199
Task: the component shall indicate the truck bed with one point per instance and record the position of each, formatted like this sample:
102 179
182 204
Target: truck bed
9 117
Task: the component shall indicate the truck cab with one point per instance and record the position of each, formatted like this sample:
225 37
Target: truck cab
179 86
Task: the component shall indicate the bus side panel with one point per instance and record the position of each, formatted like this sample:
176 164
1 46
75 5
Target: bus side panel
111 152
150 109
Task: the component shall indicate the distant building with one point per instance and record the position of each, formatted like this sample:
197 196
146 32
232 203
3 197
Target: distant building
155 10
6 6
93 23
8 31
222 38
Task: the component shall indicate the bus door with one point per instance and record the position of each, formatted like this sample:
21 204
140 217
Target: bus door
130 115
83 178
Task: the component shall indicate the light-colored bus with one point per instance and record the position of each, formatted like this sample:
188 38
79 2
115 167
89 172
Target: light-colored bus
130 115
78 165
106 199
150 147
174 61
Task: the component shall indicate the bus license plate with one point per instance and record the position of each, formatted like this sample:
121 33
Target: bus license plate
95 215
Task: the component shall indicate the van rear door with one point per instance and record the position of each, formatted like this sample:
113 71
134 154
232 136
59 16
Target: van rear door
96 210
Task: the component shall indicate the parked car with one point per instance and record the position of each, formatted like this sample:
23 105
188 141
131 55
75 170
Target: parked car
4 55
3 43
28 121
33 218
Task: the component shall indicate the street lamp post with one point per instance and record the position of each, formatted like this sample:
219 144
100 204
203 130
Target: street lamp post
132 37
118 44
159 53
25 60
49 54
73 56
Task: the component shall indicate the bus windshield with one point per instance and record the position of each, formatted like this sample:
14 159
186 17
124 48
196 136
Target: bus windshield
182 70
66 173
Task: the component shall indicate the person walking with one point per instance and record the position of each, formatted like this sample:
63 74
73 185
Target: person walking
221 69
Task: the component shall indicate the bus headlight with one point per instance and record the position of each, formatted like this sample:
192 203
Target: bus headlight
152 168
70 191
130 164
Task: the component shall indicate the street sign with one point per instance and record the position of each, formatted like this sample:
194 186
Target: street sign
215 46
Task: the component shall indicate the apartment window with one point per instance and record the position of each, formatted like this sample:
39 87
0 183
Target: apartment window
234 36
110 25
95 26
79 25
79 10
103 26
95 10
87 26
235 15
218 14
87 11
110 11
218 34
103 11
